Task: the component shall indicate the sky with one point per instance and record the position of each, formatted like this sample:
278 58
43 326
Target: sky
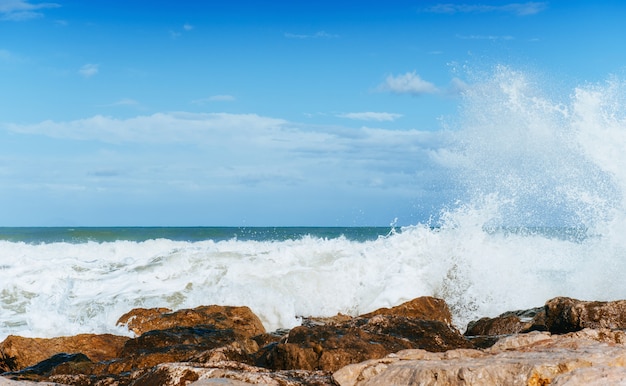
258 113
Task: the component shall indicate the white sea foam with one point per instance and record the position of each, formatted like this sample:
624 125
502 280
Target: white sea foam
62 289
523 161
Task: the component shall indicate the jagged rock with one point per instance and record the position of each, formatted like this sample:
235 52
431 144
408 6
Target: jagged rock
330 343
218 373
512 322
566 315
425 308
229 373
200 343
310 321
269 337
330 347
536 358
240 319
17 352
9 382
43 368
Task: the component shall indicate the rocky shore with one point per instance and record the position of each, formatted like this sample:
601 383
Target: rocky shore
564 342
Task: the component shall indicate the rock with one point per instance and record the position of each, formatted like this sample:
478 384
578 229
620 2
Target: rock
565 315
425 308
269 337
338 319
536 358
17 352
330 347
9 382
200 343
218 373
240 319
46 366
512 322
229 373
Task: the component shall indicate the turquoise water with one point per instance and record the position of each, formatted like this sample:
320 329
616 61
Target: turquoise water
37 235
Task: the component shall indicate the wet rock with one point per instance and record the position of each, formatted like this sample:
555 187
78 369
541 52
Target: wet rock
229 373
565 315
47 365
17 352
424 308
270 337
179 344
512 322
240 319
536 358
330 347
9 382
339 319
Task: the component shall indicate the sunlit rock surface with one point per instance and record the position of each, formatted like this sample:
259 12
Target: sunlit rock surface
538 358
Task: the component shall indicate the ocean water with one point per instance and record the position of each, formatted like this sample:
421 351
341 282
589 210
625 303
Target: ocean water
539 180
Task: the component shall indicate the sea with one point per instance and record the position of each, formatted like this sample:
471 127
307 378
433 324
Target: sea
537 180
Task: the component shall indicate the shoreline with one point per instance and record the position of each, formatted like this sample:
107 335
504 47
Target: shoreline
229 343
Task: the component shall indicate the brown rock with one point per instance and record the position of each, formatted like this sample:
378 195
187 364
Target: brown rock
229 373
218 373
566 315
240 319
536 358
330 347
9 382
17 352
425 308
512 322
338 319
200 343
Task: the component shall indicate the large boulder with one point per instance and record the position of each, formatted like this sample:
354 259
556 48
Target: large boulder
42 369
590 357
240 319
330 347
17 353
424 308
565 315
179 344
512 322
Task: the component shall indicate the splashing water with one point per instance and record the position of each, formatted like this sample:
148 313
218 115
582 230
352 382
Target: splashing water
541 186
544 181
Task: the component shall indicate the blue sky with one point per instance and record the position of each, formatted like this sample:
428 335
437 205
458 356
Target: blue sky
253 113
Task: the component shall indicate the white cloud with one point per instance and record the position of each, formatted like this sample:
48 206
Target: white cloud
409 83
319 34
175 34
224 163
89 70
214 98
123 102
156 128
20 10
371 116
485 37
457 86
520 9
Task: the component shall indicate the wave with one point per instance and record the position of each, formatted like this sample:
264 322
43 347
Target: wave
540 178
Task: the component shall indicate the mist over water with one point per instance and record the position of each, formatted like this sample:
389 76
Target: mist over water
543 180
541 160
540 177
